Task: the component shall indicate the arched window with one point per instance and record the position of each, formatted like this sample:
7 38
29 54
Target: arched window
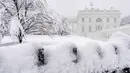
99 20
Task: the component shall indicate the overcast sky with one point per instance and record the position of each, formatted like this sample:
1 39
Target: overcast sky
70 8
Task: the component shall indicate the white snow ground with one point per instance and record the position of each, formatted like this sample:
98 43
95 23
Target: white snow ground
93 56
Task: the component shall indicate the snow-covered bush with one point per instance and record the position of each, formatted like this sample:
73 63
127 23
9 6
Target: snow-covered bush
92 57
68 56
20 58
110 59
60 58
122 42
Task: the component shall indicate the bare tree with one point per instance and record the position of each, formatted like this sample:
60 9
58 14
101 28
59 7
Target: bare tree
30 13
35 17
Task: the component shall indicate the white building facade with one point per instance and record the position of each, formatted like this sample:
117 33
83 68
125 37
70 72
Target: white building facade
95 20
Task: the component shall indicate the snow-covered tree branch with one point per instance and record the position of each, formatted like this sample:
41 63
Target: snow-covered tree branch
16 30
35 17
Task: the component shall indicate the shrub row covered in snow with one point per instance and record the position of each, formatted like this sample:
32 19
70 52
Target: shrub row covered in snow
69 57
19 58
92 57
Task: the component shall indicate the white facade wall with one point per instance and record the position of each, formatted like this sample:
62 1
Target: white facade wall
93 20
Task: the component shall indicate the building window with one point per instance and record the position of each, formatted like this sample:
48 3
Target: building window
101 27
114 19
82 19
89 28
82 28
108 20
99 20
90 20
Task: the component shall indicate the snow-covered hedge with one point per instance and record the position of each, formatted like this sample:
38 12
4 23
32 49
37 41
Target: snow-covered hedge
19 58
88 56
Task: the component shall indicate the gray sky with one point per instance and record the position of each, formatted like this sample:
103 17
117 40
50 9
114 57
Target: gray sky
70 8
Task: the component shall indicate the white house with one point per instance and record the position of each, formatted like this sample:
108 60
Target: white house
93 20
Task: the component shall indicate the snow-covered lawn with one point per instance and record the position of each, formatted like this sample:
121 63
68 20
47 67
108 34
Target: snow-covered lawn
48 40
66 54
